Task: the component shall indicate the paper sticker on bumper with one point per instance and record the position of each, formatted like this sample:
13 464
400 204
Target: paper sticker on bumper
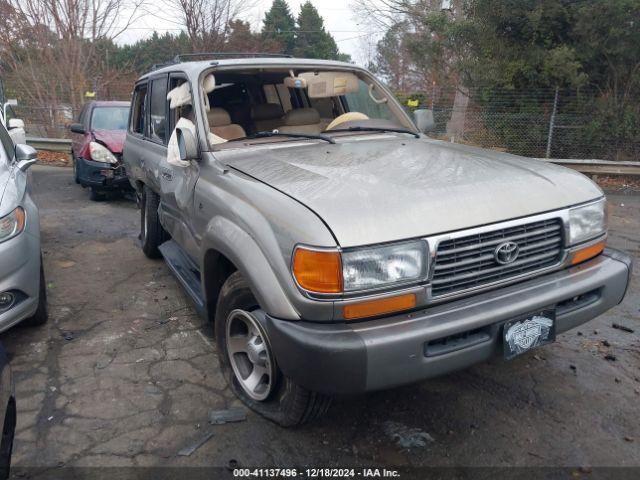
523 335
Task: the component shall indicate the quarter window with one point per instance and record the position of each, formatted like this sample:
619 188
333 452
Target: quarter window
157 110
138 115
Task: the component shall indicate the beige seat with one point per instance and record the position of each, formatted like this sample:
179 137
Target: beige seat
220 125
301 120
266 116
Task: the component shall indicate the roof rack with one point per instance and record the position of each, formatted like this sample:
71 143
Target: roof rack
186 57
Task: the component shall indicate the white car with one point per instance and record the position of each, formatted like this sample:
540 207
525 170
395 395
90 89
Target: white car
15 126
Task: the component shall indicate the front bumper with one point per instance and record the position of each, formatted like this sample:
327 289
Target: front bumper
101 175
20 267
387 352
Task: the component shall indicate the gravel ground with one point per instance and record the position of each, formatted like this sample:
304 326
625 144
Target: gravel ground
125 373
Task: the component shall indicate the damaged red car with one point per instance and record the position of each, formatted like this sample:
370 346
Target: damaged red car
98 138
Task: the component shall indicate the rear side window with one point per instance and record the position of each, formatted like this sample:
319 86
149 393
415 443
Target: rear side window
157 110
138 112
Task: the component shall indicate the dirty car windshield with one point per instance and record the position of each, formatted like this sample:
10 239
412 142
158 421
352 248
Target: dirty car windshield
109 118
279 105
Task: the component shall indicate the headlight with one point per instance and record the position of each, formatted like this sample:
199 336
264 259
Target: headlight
328 271
382 266
100 153
12 224
587 222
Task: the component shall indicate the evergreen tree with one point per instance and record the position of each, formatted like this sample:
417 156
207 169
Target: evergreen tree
279 26
312 40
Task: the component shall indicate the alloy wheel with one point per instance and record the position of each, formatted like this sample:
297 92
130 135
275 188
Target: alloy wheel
249 354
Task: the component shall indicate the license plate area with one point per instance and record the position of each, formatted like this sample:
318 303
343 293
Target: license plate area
526 333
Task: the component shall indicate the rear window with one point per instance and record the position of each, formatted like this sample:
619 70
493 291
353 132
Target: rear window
109 118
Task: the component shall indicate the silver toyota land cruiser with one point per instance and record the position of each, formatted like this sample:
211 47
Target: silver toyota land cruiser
339 250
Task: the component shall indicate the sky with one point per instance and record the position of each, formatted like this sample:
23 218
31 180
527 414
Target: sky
340 20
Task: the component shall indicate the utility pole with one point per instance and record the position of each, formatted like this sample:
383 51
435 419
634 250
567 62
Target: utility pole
552 122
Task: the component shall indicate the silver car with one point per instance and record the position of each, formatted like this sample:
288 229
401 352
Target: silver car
339 250
22 284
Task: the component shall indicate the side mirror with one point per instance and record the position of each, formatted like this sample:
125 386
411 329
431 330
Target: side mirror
15 123
26 156
77 128
12 102
424 120
187 144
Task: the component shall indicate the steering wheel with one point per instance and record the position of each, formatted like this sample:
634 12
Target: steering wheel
346 117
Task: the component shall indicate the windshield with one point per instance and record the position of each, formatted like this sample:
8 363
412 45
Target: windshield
295 104
109 118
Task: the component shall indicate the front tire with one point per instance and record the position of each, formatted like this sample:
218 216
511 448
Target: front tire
74 161
152 235
251 369
41 315
96 195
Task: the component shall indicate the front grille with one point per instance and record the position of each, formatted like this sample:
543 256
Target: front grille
468 262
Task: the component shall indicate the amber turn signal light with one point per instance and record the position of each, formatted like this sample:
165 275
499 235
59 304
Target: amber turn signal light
382 306
588 253
318 271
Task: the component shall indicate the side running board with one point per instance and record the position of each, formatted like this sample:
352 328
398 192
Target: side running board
186 271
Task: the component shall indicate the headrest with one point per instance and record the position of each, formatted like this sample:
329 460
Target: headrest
266 111
218 117
302 116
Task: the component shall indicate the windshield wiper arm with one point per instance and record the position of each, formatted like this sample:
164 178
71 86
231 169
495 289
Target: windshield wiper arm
373 129
267 134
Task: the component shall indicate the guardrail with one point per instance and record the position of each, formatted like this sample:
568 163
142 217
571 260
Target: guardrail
598 167
589 166
50 144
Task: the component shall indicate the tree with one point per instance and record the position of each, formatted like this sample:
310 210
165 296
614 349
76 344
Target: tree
207 22
312 40
279 26
50 48
393 61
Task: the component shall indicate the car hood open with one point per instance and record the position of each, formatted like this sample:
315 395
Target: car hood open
391 188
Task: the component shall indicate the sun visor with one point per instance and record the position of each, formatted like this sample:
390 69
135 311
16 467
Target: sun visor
179 96
329 84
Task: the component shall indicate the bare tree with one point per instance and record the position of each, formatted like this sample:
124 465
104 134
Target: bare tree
49 48
207 22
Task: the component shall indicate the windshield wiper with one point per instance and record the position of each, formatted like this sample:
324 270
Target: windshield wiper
292 135
373 129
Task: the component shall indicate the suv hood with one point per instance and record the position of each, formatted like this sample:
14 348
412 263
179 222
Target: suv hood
113 139
387 189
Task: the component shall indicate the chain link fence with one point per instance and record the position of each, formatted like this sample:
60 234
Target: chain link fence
51 118
552 123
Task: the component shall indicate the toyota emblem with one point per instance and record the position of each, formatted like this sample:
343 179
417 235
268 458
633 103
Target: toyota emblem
506 253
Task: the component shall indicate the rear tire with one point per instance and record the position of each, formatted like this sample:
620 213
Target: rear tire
152 235
8 434
285 403
41 315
